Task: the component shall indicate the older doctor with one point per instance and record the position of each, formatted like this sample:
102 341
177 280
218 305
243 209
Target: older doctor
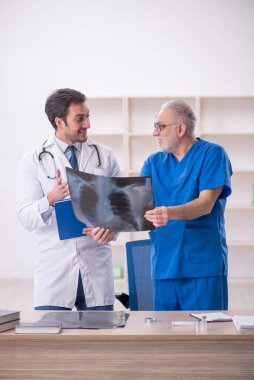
74 272
191 181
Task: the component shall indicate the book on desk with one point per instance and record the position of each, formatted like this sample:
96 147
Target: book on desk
8 319
8 325
45 327
8 315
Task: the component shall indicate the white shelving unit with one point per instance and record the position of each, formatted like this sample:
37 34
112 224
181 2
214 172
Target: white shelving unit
126 125
229 121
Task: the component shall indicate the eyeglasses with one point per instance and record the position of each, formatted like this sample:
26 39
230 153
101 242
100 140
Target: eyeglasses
159 127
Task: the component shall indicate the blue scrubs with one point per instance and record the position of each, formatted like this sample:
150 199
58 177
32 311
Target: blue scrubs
190 248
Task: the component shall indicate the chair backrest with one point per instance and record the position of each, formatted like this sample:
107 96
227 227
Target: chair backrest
138 254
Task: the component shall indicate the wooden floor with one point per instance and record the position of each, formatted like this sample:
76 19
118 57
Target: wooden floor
18 294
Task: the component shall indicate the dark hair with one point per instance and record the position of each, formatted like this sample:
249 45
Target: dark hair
58 103
183 111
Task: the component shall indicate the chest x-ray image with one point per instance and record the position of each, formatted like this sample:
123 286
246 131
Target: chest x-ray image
116 203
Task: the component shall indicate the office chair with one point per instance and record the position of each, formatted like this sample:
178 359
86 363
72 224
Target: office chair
124 299
138 254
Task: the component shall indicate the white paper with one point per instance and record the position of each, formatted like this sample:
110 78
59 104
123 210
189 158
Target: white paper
213 317
243 322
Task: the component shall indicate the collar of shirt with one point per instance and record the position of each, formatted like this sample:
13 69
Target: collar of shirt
63 146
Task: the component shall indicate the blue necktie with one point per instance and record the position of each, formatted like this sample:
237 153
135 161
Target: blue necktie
73 159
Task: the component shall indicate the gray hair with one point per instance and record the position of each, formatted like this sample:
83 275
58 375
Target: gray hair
182 111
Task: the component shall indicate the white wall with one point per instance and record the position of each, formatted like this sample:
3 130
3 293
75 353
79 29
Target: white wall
107 47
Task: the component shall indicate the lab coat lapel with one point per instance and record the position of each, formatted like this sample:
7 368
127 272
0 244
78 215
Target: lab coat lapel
86 153
60 159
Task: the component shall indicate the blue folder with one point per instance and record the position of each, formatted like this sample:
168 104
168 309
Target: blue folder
68 225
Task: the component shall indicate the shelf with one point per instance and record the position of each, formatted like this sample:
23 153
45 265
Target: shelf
91 135
239 280
240 207
239 150
227 134
243 171
150 135
224 114
106 115
140 152
235 243
120 281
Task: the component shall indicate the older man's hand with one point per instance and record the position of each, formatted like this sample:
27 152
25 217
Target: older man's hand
159 216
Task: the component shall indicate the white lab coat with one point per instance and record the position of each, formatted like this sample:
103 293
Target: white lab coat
58 261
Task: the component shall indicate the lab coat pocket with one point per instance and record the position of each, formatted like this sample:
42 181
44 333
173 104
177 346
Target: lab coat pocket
199 245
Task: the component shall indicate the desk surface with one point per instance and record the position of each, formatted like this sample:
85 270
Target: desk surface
138 351
136 328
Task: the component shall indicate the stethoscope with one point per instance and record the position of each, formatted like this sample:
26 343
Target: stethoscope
45 152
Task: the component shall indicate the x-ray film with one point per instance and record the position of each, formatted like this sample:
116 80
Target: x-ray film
116 203
92 319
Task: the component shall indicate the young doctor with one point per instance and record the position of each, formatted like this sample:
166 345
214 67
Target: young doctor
191 180
74 272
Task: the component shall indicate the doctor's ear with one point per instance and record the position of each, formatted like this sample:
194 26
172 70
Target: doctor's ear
181 129
59 123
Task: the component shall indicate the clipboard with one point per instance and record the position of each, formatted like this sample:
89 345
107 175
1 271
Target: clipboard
68 225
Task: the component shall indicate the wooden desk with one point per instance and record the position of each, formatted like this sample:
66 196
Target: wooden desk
138 351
